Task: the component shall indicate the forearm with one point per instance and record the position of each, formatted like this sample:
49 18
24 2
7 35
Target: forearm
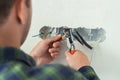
89 73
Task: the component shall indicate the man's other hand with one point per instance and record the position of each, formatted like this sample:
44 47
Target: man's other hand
46 50
77 60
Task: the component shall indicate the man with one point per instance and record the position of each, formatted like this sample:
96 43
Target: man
15 19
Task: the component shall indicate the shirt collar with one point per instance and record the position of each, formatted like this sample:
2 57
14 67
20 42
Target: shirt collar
13 54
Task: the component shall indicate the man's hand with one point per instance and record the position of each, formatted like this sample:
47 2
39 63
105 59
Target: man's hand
77 60
47 50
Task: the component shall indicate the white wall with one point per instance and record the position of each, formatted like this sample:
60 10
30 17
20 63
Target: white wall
86 13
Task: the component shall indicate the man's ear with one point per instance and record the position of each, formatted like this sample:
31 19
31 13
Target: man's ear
21 11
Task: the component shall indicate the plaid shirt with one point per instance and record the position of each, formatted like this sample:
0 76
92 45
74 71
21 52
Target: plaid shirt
16 65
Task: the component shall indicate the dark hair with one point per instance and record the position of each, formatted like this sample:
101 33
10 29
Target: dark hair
5 7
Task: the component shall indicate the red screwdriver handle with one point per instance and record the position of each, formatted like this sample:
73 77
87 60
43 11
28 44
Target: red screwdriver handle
72 52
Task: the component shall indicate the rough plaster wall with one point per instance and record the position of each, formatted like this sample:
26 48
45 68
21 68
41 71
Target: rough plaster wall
86 13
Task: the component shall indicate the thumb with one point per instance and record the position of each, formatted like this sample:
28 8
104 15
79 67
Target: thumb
54 39
67 53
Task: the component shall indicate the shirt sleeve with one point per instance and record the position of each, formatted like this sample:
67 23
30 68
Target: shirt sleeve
15 71
54 72
89 73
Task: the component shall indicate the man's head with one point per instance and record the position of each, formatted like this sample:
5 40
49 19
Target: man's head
15 19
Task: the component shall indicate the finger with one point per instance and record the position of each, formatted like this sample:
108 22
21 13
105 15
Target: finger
67 53
54 39
55 54
78 52
52 50
57 44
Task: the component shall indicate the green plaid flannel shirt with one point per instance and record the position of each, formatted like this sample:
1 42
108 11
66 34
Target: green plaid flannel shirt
16 65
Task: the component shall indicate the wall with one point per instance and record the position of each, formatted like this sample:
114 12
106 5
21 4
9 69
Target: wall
85 13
